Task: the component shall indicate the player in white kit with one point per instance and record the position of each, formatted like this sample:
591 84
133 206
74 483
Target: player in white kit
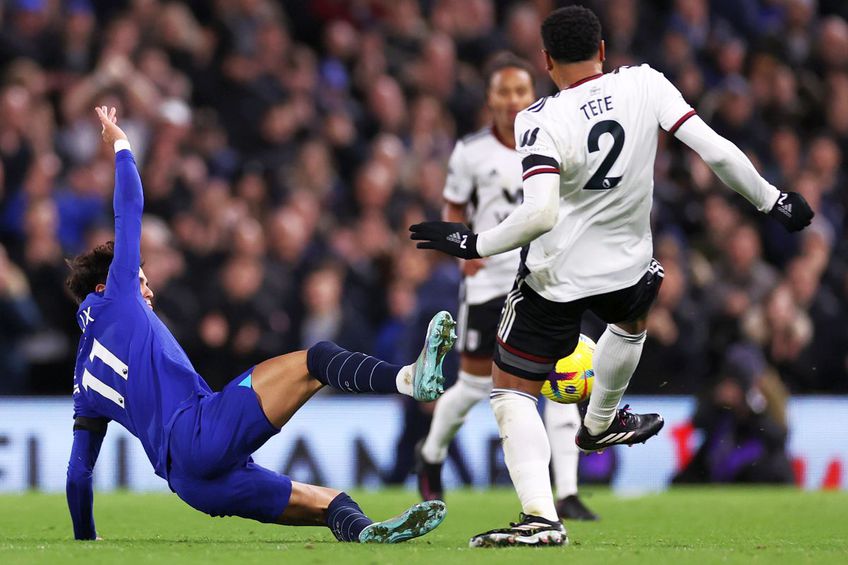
483 187
588 183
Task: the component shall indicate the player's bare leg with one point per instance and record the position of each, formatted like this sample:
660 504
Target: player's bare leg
308 505
282 385
527 455
473 385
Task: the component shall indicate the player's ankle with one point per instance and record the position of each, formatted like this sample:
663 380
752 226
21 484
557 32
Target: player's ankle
595 425
542 507
346 519
405 379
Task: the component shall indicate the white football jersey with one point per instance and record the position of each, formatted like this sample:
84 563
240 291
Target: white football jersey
485 175
602 132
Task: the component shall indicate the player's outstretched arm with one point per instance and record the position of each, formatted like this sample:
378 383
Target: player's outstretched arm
735 169
535 216
79 489
128 202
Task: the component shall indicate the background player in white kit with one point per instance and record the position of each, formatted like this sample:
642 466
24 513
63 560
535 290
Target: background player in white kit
482 188
588 184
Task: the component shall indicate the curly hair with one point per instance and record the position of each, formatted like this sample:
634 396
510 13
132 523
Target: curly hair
506 60
88 270
571 34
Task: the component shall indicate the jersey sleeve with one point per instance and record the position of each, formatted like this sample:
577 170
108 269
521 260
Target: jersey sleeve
79 485
129 205
82 406
537 146
670 108
459 183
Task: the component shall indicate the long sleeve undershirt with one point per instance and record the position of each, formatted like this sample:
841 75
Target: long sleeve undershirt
79 487
728 162
535 216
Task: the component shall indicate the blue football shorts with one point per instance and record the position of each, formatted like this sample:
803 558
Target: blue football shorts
210 464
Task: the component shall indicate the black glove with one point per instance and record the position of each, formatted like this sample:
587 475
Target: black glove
792 211
448 237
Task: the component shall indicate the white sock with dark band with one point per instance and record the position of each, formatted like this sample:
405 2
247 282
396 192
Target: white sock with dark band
527 453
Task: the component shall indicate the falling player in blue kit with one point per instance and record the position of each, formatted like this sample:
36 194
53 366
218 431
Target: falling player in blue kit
130 369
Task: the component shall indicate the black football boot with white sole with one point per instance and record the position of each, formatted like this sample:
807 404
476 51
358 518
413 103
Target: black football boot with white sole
626 429
530 531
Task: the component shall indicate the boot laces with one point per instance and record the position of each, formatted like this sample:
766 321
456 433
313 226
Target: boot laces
624 415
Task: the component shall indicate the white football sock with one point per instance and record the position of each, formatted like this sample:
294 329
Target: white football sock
527 453
405 378
450 413
615 359
562 422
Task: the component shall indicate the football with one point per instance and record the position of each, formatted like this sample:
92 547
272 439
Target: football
572 378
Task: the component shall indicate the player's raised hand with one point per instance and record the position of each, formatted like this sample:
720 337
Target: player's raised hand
109 120
792 210
448 237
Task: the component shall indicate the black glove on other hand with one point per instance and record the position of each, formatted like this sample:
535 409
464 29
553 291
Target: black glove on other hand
448 237
792 210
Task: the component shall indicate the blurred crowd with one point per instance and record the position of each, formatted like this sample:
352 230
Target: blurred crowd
285 146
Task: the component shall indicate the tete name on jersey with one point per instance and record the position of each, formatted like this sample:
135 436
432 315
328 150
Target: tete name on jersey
597 107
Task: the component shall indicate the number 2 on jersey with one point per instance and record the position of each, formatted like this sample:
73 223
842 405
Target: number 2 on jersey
600 180
120 368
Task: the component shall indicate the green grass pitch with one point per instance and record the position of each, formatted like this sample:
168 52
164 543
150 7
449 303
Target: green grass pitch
698 525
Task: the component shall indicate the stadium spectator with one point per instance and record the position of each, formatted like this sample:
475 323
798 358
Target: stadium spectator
785 332
674 358
744 423
20 316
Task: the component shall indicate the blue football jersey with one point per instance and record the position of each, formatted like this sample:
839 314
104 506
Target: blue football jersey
129 366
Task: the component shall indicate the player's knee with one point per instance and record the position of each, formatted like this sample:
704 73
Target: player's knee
503 400
319 356
634 332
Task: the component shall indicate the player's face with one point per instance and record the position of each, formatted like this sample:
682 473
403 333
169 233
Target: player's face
510 91
146 293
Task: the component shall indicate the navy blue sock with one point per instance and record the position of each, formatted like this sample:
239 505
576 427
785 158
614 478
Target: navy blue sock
349 371
346 519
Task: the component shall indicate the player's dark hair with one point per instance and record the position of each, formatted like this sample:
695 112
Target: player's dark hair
571 34
507 60
88 270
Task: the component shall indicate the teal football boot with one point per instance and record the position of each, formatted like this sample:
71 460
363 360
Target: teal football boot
428 382
418 520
